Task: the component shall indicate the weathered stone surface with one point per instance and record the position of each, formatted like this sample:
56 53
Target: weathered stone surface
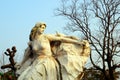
72 59
43 68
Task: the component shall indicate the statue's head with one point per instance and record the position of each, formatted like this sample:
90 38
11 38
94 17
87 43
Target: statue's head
38 28
39 24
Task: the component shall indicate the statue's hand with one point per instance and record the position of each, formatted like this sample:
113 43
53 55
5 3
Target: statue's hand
18 66
86 43
80 43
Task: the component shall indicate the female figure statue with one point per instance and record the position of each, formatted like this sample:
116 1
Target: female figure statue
42 65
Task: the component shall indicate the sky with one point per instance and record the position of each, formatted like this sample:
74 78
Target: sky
17 17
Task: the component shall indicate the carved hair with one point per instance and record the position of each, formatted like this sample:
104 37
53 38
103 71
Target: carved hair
34 30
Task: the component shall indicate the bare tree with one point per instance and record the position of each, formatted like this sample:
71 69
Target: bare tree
99 22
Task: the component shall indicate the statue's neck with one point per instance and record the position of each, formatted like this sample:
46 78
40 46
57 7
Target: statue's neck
38 36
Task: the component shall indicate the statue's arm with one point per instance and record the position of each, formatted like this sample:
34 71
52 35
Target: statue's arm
26 56
66 36
72 37
64 39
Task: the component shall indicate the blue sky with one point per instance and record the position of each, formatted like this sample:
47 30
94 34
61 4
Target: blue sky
17 17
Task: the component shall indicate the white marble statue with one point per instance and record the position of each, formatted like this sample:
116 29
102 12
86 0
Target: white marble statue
53 57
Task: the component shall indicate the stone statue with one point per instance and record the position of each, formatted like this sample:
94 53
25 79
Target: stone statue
53 57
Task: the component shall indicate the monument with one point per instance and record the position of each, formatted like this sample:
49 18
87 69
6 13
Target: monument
53 56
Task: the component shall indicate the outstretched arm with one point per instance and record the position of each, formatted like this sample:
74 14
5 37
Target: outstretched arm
66 36
63 39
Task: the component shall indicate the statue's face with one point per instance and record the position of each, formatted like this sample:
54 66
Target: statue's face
41 29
